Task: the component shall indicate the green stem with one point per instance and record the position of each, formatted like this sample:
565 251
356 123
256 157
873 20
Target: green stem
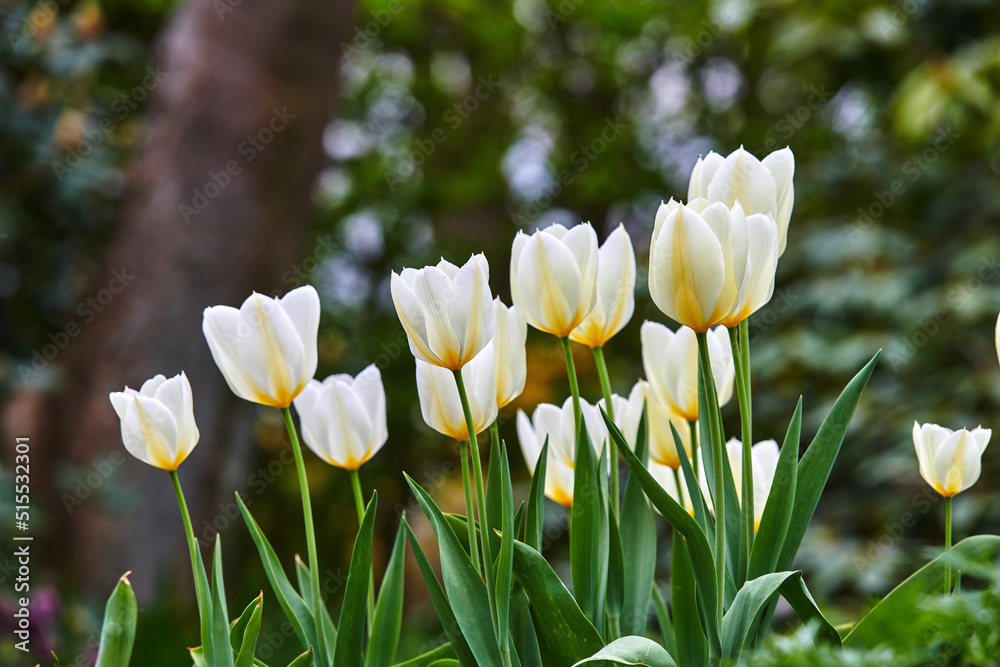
463 448
743 395
693 433
602 373
484 541
359 504
574 387
201 594
715 430
680 487
300 468
947 546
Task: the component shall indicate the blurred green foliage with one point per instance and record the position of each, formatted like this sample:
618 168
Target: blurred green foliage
462 122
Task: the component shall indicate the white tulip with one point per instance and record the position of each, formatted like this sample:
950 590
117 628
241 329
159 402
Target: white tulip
764 460
667 478
343 418
441 405
950 461
509 335
755 284
553 276
670 360
998 338
559 426
660 417
628 412
760 186
446 311
158 424
615 292
266 349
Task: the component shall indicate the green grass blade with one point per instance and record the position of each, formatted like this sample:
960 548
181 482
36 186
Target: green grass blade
250 632
118 629
389 609
221 651
237 629
350 637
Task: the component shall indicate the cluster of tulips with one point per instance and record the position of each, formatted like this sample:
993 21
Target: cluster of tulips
739 511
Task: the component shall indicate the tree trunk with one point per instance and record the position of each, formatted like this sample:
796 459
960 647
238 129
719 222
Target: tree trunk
218 207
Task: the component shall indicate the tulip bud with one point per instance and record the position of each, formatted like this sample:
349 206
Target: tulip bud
446 311
158 424
343 418
558 425
760 186
266 349
441 405
670 360
950 461
553 276
509 335
764 460
615 292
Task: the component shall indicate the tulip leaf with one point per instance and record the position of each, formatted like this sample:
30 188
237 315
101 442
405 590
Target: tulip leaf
447 662
751 602
305 590
701 513
689 635
588 535
296 610
388 617
677 516
494 501
432 656
535 522
816 464
466 590
522 632
615 597
631 651
638 541
118 629
350 637
304 660
663 620
505 559
439 599
778 510
874 628
564 633
220 650
250 632
237 629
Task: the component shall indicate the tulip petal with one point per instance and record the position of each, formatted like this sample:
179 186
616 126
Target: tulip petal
411 315
271 350
303 309
435 293
510 332
348 427
781 164
175 395
221 326
471 310
369 388
440 405
150 386
742 178
149 432
703 173
550 269
957 463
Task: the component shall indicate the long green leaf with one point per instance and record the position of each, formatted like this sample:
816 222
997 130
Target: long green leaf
638 540
535 517
440 601
118 629
221 651
677 516
778 510
305 590
588 535
251 631
389 609
522 632
304 660
564 633
494 501
351 633
663 620
295 608
616 578
237 629
505 559
751 602
636 651
880 625
689 635
466 589
817 462
439 653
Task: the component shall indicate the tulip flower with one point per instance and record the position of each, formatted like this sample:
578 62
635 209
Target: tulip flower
627 411
615 292
510 355
950 461
557 424
998 338
343 418
446 311
668 478
158 424
760 186
670 360
756 282
764 462
441 405
266 349
553 276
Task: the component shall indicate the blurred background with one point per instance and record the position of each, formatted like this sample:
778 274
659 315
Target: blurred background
158 157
